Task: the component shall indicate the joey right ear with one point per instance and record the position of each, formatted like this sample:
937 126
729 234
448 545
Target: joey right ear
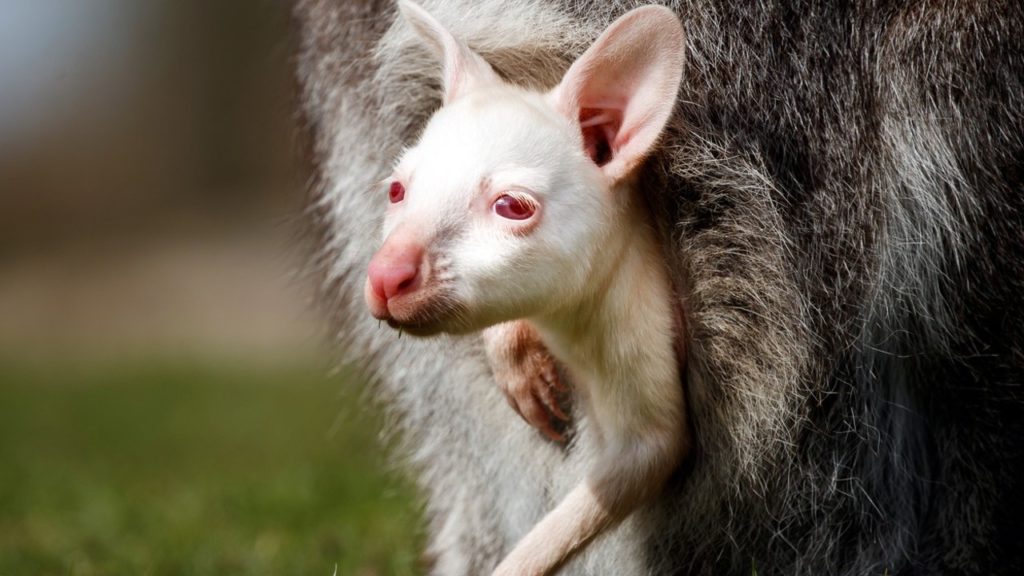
462 68
622 90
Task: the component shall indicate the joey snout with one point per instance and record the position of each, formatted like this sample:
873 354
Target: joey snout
395 272
403 290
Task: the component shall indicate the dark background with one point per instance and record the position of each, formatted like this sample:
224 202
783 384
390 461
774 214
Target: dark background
139 142
164 400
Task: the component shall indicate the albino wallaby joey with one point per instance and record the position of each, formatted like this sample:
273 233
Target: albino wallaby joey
518 207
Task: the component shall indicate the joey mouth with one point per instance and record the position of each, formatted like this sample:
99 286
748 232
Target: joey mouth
425 312
418 330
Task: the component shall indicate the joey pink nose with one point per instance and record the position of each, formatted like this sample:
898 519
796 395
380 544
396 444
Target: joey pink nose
394 272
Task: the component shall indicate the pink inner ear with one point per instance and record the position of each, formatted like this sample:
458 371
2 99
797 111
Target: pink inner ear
599 127
623 89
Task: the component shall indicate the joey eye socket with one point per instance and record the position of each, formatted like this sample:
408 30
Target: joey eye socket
396 193
513 207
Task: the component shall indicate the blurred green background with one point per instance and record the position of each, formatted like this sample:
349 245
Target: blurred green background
164 400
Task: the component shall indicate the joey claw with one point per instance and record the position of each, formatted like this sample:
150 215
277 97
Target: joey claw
546 393
535 404
536 414
550 375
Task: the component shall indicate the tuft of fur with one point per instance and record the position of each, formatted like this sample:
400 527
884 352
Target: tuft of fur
841 198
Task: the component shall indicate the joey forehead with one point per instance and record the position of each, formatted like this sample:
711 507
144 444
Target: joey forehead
494 135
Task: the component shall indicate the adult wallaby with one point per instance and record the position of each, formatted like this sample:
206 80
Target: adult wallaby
839 197
520 204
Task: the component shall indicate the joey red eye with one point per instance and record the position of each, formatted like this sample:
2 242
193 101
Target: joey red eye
397 192
514 207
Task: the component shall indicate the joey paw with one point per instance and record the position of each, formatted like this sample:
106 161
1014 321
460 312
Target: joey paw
527 375
532 389
533 392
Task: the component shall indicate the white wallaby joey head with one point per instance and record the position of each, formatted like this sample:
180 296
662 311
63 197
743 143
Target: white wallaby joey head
505 206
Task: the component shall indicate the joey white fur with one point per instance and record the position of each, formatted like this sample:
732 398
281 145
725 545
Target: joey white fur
517 209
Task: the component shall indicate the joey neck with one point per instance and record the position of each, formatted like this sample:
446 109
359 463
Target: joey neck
604 305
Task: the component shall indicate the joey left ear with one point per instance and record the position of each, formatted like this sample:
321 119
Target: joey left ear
462 69
622 90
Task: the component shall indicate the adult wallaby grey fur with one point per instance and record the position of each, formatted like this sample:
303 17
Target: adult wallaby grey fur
517 205
839 194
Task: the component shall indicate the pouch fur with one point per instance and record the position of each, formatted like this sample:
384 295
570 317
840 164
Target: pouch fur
841 196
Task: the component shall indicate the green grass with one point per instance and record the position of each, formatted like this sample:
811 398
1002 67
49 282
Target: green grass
191 469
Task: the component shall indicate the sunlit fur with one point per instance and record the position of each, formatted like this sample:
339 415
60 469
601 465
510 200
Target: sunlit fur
840 197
